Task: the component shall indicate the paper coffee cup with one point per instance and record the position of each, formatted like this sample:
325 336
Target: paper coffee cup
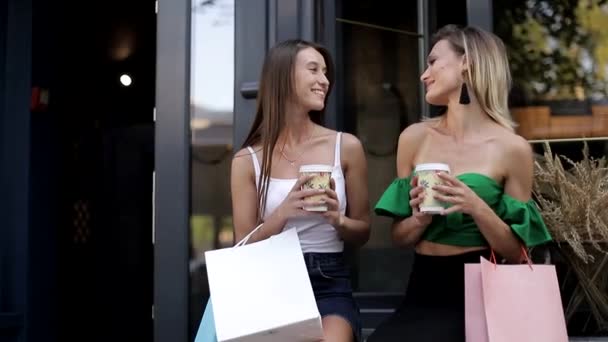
428 177
322 175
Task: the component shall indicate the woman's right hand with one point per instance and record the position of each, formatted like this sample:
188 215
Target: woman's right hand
293 204
416 198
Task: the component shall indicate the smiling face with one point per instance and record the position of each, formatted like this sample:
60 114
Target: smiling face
443 76
310 81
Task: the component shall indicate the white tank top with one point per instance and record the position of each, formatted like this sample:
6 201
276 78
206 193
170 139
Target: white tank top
315 233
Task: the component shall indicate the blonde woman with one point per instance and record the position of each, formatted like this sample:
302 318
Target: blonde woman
488 189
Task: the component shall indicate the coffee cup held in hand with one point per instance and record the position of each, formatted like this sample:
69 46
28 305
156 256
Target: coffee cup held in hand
320 180
427 178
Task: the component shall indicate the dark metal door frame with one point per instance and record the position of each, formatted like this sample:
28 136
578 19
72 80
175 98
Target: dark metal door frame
172 172
479 13
251 40
16 306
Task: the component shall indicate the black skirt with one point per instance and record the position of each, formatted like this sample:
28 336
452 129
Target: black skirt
433 308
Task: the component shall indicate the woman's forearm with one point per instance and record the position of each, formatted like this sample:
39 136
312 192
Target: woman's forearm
498 234
407 232
353 230
271 226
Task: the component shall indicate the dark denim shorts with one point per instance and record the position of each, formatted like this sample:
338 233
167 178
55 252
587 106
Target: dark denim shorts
330 279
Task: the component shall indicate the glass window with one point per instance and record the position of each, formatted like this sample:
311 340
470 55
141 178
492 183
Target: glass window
379 67
211 99
379 71
558 52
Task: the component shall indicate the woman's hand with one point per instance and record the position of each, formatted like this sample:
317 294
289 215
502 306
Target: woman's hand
416 198
458 194
293 204
333 214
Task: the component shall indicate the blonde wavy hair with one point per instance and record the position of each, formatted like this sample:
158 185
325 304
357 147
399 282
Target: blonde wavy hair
488 74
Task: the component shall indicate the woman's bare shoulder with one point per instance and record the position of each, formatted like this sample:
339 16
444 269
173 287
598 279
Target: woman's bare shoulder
415 133
350 142
242 153
516 149
242 160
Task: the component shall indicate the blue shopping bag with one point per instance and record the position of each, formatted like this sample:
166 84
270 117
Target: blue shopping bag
206 330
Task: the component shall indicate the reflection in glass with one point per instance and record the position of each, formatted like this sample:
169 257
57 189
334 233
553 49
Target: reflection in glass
558 52
211 99
378 70
212 71
559 59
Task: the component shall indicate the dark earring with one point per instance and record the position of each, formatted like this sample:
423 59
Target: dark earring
464 94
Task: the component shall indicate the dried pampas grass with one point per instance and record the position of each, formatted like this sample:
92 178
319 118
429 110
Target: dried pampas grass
574 201
574 204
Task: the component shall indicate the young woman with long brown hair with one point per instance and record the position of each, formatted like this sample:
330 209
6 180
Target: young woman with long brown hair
287 132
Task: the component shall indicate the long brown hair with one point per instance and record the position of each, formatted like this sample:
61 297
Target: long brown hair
275 90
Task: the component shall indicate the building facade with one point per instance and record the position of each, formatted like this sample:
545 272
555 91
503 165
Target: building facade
207 64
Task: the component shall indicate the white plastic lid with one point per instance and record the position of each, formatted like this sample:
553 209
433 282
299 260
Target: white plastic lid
316 168
433 167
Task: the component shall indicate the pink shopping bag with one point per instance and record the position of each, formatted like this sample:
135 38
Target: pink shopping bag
507 303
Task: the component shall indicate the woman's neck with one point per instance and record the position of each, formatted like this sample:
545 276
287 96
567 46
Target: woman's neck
465 120
298 128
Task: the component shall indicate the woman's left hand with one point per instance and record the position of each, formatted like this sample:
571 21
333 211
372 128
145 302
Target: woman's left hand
333 214
458 195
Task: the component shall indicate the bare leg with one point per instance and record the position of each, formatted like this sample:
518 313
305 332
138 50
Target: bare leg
337 329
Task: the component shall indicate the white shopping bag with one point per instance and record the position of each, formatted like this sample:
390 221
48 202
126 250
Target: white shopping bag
262 292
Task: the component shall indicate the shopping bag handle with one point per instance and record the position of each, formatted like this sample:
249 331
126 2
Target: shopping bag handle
524 252
246 238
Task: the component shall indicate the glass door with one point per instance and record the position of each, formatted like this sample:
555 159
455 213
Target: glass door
380 53
211 141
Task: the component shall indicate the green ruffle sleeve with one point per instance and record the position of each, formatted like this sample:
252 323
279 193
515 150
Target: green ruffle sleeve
395 201
524 219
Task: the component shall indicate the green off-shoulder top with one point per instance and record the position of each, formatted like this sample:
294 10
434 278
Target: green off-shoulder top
460 229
